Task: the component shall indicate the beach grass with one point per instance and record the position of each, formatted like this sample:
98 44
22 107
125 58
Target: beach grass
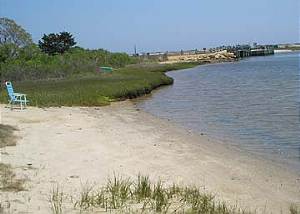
6 136
143 196
8 180
97 89
294 209
56 199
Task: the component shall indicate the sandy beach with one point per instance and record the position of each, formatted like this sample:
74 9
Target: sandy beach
72 146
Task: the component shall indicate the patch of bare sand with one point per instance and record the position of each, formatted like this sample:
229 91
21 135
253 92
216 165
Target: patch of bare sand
71 146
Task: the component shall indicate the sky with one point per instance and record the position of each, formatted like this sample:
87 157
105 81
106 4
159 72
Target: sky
159 25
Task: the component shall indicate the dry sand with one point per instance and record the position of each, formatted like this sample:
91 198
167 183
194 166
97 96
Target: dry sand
71 146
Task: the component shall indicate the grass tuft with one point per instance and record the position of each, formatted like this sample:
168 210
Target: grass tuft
160 201
294 209
86 198
6 136
56 200
119 191
142 188
8 180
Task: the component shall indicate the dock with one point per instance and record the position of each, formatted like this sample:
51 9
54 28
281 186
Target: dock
241 53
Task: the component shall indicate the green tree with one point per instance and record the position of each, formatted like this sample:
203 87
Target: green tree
12 33
30 52
56 43
8 51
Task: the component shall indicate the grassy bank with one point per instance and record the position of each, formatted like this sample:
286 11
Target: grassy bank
96 89
72 78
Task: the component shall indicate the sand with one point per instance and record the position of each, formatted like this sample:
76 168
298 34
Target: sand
72 146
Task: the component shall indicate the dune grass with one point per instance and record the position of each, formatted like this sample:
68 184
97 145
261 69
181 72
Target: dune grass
8 180
6 136
96 89
123 195
294 209
56 199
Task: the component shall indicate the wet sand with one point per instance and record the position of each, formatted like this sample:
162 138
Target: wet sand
72 146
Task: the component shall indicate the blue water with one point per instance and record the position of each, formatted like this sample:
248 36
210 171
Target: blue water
253 103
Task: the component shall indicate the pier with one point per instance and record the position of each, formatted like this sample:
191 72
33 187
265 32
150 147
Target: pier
241 53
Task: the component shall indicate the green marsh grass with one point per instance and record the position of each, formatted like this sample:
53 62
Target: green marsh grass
96 89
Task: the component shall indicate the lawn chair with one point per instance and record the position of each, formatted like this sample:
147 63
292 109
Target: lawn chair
15 97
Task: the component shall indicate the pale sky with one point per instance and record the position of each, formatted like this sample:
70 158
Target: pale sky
159 25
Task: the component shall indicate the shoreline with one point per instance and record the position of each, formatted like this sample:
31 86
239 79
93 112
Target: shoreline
73 145
290 164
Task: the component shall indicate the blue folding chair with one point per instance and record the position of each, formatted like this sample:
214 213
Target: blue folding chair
15 97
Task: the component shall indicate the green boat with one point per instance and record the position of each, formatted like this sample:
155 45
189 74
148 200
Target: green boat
106 69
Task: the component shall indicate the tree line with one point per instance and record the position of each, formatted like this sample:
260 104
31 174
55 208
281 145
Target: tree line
55 55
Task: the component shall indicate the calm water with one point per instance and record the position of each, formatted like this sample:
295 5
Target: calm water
253 103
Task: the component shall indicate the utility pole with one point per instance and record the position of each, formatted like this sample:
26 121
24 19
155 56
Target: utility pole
135 53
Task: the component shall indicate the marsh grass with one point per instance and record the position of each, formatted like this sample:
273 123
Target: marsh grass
8 180
6 136
142 196
96 89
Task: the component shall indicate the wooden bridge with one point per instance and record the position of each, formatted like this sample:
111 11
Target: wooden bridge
241 53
